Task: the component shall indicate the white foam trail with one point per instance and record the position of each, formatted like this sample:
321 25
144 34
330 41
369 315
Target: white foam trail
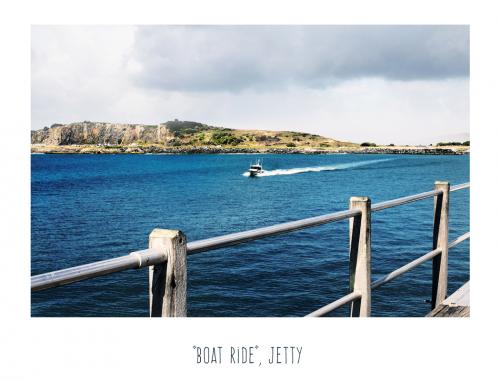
293 171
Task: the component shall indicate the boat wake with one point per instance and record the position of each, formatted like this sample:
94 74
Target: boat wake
293 171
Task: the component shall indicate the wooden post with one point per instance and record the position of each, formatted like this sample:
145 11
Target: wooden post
440 240
168 280
360 256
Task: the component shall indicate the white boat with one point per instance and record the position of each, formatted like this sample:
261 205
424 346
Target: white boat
255 169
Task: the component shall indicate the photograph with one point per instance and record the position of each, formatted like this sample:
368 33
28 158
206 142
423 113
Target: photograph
257 170
247 191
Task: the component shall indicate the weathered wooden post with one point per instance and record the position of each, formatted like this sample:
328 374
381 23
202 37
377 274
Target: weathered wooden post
360 256
168 280
440 240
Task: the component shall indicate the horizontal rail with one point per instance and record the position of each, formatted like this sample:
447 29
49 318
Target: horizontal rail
148 257
416 197
460 239
136 259
74 274
409 266
252 235
334 305
459 186
387 278
404 200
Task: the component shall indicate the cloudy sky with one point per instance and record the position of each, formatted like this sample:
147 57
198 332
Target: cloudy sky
388 84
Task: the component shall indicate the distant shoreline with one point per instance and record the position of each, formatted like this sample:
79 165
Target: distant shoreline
186 137
155 149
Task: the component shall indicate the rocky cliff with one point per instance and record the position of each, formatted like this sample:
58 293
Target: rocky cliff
109 133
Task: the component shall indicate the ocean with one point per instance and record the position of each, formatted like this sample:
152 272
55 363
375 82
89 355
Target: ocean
87 208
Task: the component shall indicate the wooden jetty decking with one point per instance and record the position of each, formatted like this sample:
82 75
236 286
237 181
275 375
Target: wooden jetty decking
457 305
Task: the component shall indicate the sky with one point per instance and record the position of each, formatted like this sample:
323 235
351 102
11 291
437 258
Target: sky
384 84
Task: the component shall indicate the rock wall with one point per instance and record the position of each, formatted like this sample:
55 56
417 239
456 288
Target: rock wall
101 134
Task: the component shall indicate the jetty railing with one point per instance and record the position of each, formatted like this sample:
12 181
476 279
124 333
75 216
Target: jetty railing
167 254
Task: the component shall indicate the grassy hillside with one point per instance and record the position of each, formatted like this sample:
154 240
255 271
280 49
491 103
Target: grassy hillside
183 134
226 137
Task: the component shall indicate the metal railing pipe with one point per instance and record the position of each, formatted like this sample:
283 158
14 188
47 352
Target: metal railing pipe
387 278
409 266
334 305
403 200
136 259
252 235
459 186
460 239
149 257
416 197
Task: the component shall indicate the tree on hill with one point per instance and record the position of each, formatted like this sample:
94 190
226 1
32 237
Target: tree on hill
466 143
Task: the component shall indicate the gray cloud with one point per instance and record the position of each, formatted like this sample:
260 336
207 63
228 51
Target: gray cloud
391 84
229 58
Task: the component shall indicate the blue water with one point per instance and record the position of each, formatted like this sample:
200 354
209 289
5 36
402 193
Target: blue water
87 208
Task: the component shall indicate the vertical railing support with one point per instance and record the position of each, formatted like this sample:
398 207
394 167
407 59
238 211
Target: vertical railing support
360 256
168 280
440 240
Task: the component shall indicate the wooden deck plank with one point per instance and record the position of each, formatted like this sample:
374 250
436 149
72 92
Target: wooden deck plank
459 297
456 305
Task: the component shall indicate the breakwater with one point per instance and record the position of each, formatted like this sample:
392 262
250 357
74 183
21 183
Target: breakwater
157 149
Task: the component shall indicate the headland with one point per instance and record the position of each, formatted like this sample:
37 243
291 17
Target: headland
184 137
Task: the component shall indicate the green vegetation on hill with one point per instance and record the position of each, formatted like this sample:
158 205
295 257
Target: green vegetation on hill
442 144
180 128
176 133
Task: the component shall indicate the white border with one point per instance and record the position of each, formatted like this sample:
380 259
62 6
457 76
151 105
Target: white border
87 349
